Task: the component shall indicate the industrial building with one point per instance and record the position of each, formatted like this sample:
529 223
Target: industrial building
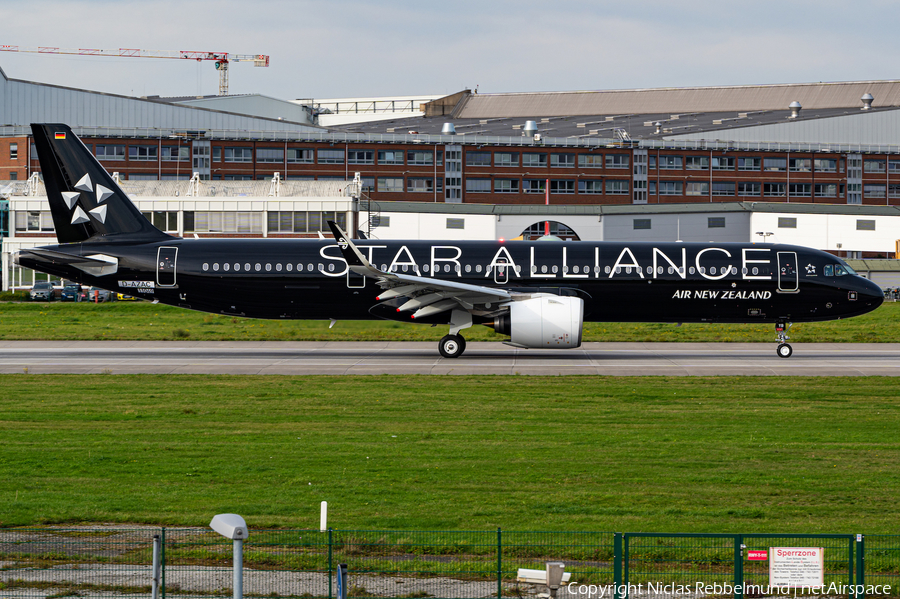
704 163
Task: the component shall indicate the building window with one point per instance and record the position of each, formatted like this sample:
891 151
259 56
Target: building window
787 222
534 160
390 156
671 163
825 165
478 186
534 185
217 154
109 152
865 225
299 156
617 188
163 220
873 166
271 155
893 167
826 190
34 221
773 190
14 151
749 164
478 159
803 190
13 176
618 161
148 153
223 222
697 188
715 222
697 163
749 189
894 190
506 159
420 184
723 188
723 163
775 164
456 223
562 160
590 160
420 157
562 185
641 223
590 186
360 157
874 190
671 188
390 184
238 154
329 156
379 220
800 165
506 186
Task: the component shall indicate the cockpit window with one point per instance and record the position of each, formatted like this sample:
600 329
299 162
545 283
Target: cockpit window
849 270
837 270
828 271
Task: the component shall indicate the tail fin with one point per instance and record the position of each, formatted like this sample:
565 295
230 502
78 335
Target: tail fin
84 200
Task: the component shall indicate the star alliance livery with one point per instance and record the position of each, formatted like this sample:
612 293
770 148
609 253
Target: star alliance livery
538 293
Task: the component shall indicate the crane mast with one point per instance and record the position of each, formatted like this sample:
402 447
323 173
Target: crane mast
222 59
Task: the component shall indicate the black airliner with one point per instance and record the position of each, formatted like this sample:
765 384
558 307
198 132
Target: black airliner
538 293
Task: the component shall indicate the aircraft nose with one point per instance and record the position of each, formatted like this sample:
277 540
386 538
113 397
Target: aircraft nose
872 293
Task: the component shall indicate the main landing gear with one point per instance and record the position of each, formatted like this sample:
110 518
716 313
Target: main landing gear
784 350
452 346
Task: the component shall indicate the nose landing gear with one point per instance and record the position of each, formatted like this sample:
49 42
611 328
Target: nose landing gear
784 350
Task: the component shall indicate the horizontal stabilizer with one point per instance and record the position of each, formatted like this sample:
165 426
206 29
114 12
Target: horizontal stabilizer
95 264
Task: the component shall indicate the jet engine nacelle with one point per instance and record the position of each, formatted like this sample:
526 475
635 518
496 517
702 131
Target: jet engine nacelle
547 321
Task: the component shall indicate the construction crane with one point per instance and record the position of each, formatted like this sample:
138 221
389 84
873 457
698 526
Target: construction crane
222 59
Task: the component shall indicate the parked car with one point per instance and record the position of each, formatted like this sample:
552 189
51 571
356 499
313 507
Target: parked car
72 293
42 291
98 295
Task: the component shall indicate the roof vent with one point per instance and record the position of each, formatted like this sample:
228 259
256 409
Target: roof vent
448 129
530 128
658 126
795 109
867 100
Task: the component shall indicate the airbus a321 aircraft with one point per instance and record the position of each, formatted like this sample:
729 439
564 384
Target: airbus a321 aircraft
538 293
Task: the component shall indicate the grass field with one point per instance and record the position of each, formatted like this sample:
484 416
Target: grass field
142 320
682 454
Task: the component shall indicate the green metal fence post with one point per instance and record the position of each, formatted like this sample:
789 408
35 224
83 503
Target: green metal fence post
738 566
499 563
617 565
162 559
625 573
850 566
861 565
330 563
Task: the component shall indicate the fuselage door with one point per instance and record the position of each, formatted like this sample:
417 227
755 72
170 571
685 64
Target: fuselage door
165 266
501 271
788 281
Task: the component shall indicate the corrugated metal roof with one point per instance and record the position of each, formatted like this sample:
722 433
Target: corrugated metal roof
680 100
870 265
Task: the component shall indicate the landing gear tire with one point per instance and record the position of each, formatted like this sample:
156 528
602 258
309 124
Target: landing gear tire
452 346
784 350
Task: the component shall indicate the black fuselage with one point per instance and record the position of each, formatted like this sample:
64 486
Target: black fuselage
626 282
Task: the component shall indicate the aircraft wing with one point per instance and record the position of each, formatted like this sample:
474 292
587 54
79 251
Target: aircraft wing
427 295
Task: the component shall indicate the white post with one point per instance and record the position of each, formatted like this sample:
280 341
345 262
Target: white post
238 569
323 518
156 573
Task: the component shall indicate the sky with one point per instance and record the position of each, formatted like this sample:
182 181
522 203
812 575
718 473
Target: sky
348 48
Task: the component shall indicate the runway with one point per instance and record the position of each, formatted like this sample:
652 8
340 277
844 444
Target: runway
372 358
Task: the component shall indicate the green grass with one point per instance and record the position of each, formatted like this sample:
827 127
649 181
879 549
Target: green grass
722 454
145 321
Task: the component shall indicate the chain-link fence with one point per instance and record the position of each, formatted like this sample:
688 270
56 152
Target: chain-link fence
197 563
